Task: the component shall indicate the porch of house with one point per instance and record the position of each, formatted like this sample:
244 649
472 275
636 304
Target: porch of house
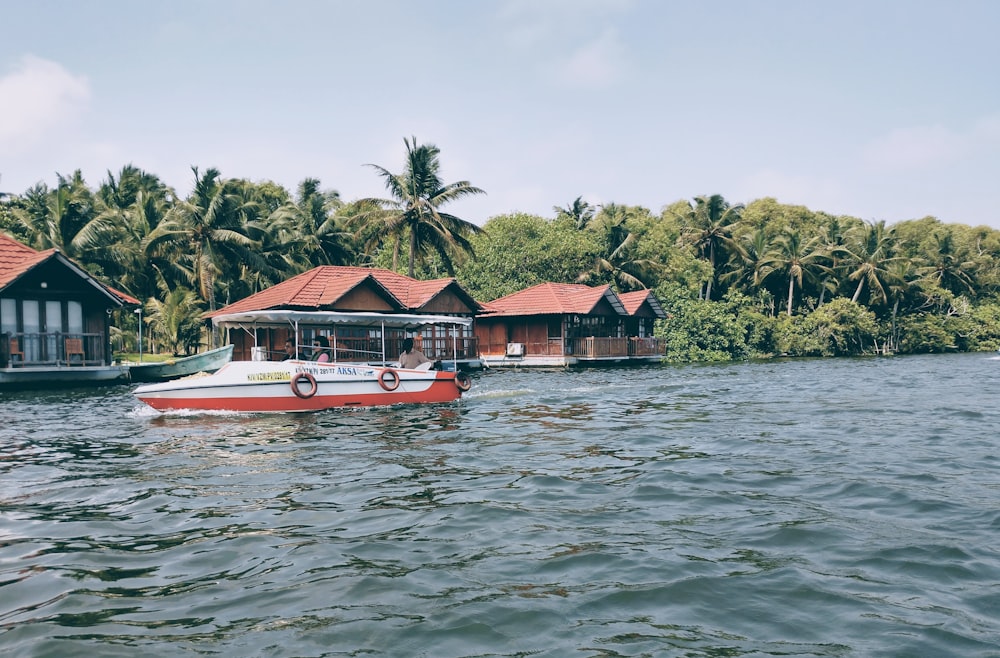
53 350
589 350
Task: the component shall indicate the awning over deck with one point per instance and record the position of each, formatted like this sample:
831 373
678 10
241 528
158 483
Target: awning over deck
281 318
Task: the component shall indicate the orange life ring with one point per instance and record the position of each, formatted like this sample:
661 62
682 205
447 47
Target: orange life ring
462 381
393 382
308 393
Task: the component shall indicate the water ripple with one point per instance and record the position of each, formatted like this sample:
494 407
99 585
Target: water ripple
754 509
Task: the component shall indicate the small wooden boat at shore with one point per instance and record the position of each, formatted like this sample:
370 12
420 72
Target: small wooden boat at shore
162 371
298 385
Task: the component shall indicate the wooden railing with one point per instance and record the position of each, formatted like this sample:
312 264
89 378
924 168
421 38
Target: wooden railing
26 350
646 346
595 347
443 349
589 347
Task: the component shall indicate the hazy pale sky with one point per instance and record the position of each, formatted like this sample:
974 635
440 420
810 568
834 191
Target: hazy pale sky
884 110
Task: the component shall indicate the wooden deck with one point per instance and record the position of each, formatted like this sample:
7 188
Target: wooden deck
591 350
48 350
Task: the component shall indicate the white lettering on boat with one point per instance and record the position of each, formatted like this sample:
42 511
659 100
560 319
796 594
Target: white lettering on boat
277 376
338 370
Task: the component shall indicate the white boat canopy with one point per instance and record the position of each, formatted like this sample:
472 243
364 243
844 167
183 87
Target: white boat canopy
281 318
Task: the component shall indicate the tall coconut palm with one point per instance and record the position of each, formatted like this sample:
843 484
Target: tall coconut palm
799 259
868 257
55 218
311 228
131 207
414 211
901 278
579 212
176 321
708 226
749 263
834 237
207 233
618 257
948 266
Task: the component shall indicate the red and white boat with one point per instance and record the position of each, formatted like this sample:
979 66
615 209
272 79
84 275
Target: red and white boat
298 385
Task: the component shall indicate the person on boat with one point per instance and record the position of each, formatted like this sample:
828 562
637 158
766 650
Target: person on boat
321 349
290 352
411 357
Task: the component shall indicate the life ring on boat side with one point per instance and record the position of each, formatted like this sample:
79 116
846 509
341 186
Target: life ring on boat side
462 381
309 392
392 383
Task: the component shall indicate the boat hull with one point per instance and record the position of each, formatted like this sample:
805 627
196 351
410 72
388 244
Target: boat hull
205 362
261 386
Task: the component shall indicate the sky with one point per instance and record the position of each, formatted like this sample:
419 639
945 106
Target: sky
878 109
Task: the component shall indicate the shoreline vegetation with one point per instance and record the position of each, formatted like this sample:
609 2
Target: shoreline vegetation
738 281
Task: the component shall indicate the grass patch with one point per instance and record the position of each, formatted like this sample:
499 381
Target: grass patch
133 357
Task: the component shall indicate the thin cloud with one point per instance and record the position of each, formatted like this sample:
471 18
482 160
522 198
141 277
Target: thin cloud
536 28
919 147
46 98
817 193
596 65
987 129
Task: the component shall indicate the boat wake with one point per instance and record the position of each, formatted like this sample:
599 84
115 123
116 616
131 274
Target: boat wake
497 393
143 411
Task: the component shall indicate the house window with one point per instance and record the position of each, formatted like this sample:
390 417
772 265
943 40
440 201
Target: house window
32 322
74 317
53 326
8 315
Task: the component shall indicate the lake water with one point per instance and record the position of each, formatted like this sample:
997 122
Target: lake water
844 507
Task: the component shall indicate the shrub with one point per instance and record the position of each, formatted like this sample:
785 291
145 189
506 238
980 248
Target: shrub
700 330
838 328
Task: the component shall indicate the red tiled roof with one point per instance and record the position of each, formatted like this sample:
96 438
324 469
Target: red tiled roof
125 297
17 258
633 301
549 299
320 286
324 285
411 292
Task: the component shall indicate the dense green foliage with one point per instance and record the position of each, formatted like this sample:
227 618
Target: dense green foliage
739 282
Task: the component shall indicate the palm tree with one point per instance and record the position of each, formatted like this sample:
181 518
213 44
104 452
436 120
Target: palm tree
208 234
901 278
708 226
414 210
176 321
948 267
834 237
868 257
310 228
800 259
55 218
131 207
579 212
749 263
618 256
